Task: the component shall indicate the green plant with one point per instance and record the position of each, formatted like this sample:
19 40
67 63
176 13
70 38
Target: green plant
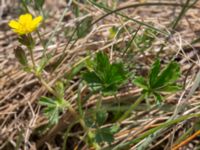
53 108
24 27
106 134
105 78
160 81
101 134
157 82
102 76
55 104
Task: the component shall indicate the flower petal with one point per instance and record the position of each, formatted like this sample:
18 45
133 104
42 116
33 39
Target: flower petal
37 20
14 24
23 19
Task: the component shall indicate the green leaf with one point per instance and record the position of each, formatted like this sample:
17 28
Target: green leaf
160 81
74 71
84 27
197 125
114 129
104 135
170 88
101 116
158 97
155 69
92 80
117 73
46 101
104 76
53 114
21 56
76 10
52 110
168 75
102 65
140 82
27 1
89 121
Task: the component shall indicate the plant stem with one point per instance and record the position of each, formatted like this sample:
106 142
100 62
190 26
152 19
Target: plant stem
66 135
133 106
32 58
30 47
47 86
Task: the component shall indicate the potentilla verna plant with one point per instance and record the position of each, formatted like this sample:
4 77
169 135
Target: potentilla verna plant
56 104
99 75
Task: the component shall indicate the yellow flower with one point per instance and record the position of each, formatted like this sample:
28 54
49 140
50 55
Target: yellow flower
25 24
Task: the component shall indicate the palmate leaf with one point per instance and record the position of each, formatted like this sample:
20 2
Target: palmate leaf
53 114
114 77
52 109
160 81
104 76
96 118
101 116
106 134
